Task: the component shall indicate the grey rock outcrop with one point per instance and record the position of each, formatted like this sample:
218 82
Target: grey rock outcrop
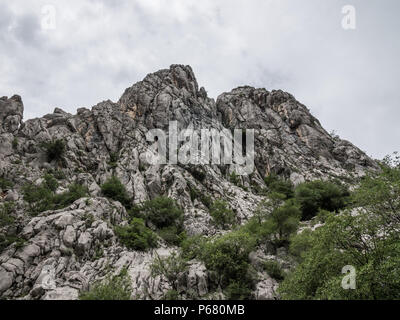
62 252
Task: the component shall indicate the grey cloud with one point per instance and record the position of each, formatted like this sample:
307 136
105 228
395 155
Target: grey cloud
349 79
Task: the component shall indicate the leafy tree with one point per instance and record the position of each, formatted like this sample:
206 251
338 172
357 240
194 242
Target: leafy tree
228 255
238 290
274 270
279 185
136 235
301 243
193 247
265 207
222 215
162 212
115 190
172 235
114 287
366 238
285 220
318 194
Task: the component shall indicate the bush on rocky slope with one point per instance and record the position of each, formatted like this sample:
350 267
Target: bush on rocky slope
115 190
279 185
164 215
318 194
55 150
114 287
222 215
136 235
5 183
43 197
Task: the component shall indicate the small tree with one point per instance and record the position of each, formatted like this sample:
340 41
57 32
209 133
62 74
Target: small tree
114 287
55 150
136 235
265 207
316 195
222 215
171 268
115 190
279 185
285 220
162 212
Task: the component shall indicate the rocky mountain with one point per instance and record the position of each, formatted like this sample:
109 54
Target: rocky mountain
56 253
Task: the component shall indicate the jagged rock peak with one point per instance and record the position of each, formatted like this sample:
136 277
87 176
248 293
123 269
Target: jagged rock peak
11 113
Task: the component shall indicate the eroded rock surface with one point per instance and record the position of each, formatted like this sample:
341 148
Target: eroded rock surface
62 252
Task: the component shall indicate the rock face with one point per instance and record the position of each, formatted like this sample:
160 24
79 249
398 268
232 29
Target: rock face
64 251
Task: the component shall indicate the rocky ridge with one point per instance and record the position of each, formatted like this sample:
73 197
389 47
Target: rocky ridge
64 251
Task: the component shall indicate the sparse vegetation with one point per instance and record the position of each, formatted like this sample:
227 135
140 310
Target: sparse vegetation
114 287
115 190
222 215
6 210
136 235
318 194
42 197
279 185
367 239
55 150
5 184
274 270
170 268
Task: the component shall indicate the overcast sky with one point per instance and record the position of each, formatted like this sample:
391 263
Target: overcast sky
348 78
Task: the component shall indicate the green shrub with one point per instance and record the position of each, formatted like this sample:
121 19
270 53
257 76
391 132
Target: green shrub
285 220
75 192
15 143
222 215
279 185
50 182
41 198
161 212
357 240
117 287
6 210
172 235
238 290
115 190
114 156
7 240
136 235
5 184
318 194
171 295
170 268
235 179
55 150
228 255
274 270
197 174
192 247
300 243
